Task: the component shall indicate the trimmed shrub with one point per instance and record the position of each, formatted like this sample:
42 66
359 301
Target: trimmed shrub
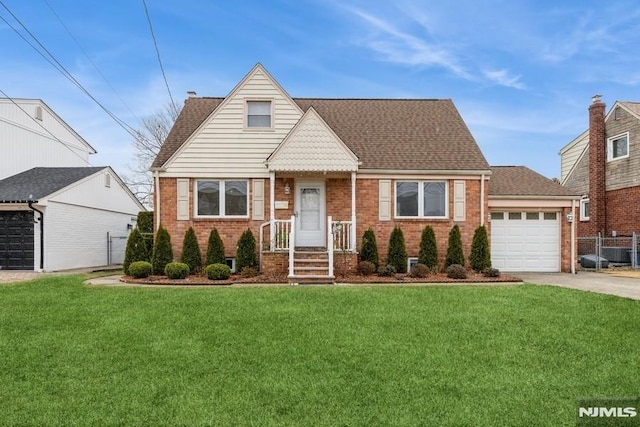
454 249
215 249
249 272
246 252
369 249
136 250
397 255
144 223
176 270
162 252
366 268
140 269
428 254
218 271
387 271
456 271
491 272
419 270
191 254
480 257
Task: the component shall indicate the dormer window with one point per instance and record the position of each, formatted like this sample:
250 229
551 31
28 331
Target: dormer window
259 114
618 147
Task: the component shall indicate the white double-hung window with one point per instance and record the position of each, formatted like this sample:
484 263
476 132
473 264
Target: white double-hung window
421 199
222 198
259 114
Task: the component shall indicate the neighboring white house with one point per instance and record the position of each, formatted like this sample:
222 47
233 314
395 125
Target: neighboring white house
32 135
64 218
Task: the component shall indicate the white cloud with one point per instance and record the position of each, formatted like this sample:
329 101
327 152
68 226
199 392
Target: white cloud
503 78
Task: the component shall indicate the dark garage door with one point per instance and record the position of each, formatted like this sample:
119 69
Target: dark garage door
16 240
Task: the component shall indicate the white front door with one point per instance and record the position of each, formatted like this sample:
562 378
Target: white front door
310 213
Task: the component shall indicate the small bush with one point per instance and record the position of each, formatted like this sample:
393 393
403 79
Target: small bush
491 272
456 271
420 270
455 255
249 272
215 248
428 254
218 271
136 250
397 255
162 252
246 252
176 270
369 250
140 269
387 271
366 268
191 254
480 257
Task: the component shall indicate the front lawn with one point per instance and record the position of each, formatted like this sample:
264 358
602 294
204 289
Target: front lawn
504 355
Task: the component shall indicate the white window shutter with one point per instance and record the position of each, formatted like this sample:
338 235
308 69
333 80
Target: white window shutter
183 199
459 196
258 199
384 200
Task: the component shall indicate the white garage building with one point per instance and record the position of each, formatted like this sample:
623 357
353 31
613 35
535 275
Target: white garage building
531 221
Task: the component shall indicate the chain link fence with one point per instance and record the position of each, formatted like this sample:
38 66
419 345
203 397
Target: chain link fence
622 250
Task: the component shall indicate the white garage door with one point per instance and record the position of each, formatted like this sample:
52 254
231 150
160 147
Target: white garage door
525 241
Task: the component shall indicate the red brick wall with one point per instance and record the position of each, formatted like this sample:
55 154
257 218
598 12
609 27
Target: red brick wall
623 211
565 241
597 164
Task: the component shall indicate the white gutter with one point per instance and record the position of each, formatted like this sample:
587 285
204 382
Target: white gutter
156 206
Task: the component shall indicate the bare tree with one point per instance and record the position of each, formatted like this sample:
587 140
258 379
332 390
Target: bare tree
146 144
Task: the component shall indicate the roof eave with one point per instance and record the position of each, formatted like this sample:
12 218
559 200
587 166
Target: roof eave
533 197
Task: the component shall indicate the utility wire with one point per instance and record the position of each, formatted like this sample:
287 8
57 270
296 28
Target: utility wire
90 60
155 44
130 130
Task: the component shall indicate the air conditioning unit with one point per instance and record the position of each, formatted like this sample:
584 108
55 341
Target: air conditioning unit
617 255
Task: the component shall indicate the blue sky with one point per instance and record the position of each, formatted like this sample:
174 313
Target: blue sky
522 73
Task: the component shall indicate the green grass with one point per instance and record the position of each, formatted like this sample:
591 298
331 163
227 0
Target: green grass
504 355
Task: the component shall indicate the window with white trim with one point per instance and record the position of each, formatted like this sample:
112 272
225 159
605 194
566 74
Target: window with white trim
259 114
222 198
422 199
584 210
618 147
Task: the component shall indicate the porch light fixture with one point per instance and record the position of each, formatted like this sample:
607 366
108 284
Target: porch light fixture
287 188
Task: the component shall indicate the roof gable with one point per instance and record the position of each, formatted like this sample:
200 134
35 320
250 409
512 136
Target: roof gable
312 146
38 183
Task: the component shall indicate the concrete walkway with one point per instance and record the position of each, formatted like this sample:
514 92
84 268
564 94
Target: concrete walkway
602 283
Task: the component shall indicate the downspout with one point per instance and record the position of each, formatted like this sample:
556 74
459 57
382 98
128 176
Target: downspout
156 205
482 199
573 237
41 221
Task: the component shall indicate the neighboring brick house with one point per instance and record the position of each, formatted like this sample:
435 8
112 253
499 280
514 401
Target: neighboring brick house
309 176
603 166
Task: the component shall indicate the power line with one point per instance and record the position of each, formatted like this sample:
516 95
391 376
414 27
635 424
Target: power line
155 44
130 130
90 60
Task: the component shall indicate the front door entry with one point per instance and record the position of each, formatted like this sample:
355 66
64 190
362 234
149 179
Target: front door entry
310 213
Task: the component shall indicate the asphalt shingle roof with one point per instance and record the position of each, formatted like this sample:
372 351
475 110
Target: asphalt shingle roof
36 183
400 134
522 181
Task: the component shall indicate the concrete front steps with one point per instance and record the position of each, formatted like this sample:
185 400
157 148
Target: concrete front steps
311 267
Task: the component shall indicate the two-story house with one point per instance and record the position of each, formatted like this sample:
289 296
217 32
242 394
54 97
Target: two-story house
309 176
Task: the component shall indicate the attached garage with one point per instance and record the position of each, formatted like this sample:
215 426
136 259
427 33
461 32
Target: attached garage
525 241
531 222
16 240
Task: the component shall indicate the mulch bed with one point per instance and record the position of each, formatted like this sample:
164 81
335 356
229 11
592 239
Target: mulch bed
197 280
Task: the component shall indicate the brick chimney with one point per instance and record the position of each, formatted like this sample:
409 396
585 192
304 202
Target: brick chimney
597 164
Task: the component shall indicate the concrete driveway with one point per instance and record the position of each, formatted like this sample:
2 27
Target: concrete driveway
9 276
603 283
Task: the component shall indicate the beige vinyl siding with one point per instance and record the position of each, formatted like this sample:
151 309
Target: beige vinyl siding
570 157
623 173
223 147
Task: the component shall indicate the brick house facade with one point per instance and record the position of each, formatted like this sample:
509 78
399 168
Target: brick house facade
309 176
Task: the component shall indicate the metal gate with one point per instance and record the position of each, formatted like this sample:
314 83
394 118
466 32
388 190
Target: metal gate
16 240
116 246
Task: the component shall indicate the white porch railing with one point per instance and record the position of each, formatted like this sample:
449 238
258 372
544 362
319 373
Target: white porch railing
281 238
341 234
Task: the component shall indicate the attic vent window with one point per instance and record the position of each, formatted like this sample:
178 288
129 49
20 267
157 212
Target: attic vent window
259 114
39 113
618 147
107 180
